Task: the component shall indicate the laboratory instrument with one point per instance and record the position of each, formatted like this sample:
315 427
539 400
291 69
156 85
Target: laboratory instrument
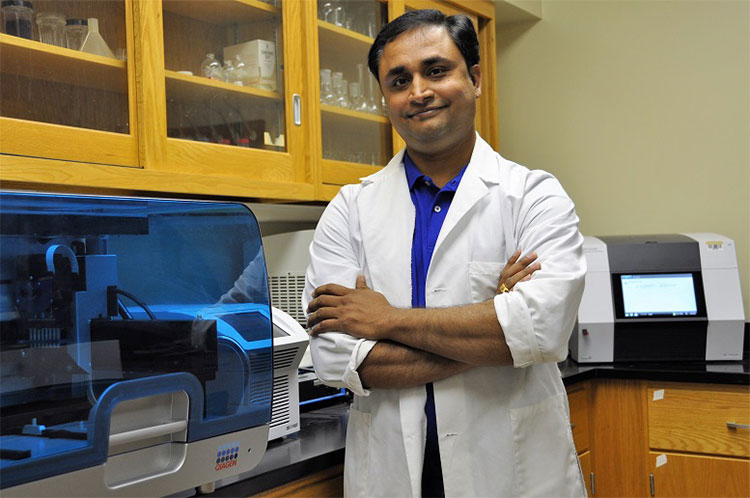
135 344
673 297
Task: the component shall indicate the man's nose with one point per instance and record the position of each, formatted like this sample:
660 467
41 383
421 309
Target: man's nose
421 91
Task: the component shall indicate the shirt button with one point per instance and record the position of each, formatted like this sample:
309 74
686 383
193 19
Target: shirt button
437 209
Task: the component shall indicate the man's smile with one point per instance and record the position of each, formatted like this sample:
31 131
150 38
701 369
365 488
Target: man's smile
427 112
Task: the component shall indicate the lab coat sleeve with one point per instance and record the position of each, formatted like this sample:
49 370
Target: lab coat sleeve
334 259
538 316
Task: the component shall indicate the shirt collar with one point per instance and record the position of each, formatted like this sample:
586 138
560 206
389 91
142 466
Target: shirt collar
413 174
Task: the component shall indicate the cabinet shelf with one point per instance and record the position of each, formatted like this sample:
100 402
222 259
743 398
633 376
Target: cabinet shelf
36 60
222 12
332 34
195 88
339 112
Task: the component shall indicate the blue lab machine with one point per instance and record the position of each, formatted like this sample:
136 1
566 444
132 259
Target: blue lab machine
135 345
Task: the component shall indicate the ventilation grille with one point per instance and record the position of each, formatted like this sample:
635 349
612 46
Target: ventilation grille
286 295
283 358
660 341
280 409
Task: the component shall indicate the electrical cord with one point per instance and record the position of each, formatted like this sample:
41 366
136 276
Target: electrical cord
137 301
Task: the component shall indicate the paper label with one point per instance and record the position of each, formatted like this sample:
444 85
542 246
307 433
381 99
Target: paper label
661 460
715 245
658 394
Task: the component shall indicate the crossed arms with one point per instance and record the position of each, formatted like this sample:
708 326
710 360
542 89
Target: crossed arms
416 346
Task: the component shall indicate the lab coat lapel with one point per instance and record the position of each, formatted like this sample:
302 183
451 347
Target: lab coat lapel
472 188
386 215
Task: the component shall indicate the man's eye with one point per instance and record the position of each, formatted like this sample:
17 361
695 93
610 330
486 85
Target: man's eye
435 71
399 82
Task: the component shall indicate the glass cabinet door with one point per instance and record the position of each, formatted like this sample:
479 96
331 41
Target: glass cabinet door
228 94
65 80
355 135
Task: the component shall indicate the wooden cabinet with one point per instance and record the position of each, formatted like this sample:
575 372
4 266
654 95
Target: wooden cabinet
149 122
579 402
683 475
699 437
662 438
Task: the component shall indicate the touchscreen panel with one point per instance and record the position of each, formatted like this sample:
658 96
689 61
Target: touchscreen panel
660 294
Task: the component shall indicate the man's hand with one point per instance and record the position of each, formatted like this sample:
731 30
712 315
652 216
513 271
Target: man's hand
517 270
360 312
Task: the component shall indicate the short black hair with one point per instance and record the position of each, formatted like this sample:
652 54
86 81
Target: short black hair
460 28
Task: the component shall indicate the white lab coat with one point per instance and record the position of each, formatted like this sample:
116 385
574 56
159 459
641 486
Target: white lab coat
503 431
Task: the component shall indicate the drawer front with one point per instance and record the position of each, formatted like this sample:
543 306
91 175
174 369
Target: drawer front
683 476
699 419
578 399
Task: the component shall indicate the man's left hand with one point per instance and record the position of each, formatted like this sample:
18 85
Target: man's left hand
360 312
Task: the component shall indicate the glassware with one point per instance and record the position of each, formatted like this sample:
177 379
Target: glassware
372 27
51 28
339 14
211 68
17 17
325 13
372 99
342 95
94 43
75 32
326 89
361 104
240 71
229 72
355 96
339 89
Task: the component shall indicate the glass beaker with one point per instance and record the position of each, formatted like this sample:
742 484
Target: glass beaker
17 17
51 28
75 32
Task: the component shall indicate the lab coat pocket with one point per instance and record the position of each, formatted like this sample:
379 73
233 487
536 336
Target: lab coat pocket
357 453
483 277
546 462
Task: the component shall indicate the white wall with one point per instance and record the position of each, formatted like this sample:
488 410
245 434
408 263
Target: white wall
641 108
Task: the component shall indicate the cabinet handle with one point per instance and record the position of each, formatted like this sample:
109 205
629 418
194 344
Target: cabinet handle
572 426
732 425
592 480
653 487
297 109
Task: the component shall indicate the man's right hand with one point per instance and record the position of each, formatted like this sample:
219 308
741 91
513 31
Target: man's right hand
517 269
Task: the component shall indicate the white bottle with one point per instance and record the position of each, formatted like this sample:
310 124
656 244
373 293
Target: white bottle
94 43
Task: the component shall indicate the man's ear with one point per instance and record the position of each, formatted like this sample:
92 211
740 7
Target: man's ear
476 77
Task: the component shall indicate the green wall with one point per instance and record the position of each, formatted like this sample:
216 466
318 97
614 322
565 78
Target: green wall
640 108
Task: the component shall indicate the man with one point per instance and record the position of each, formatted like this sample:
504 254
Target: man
456 386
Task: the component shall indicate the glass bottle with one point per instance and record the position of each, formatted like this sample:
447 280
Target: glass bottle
75 32
17 17
228 71
240 71
326 89
211 68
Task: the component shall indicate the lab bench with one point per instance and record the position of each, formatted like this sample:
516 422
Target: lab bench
611 405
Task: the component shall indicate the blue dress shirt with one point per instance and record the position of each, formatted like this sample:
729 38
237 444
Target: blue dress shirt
431 205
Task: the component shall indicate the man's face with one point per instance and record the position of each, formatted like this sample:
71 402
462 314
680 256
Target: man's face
430 94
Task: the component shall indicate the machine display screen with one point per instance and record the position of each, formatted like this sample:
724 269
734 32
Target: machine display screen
659 295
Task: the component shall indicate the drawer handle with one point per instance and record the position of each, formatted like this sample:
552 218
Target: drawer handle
732 425
572 426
